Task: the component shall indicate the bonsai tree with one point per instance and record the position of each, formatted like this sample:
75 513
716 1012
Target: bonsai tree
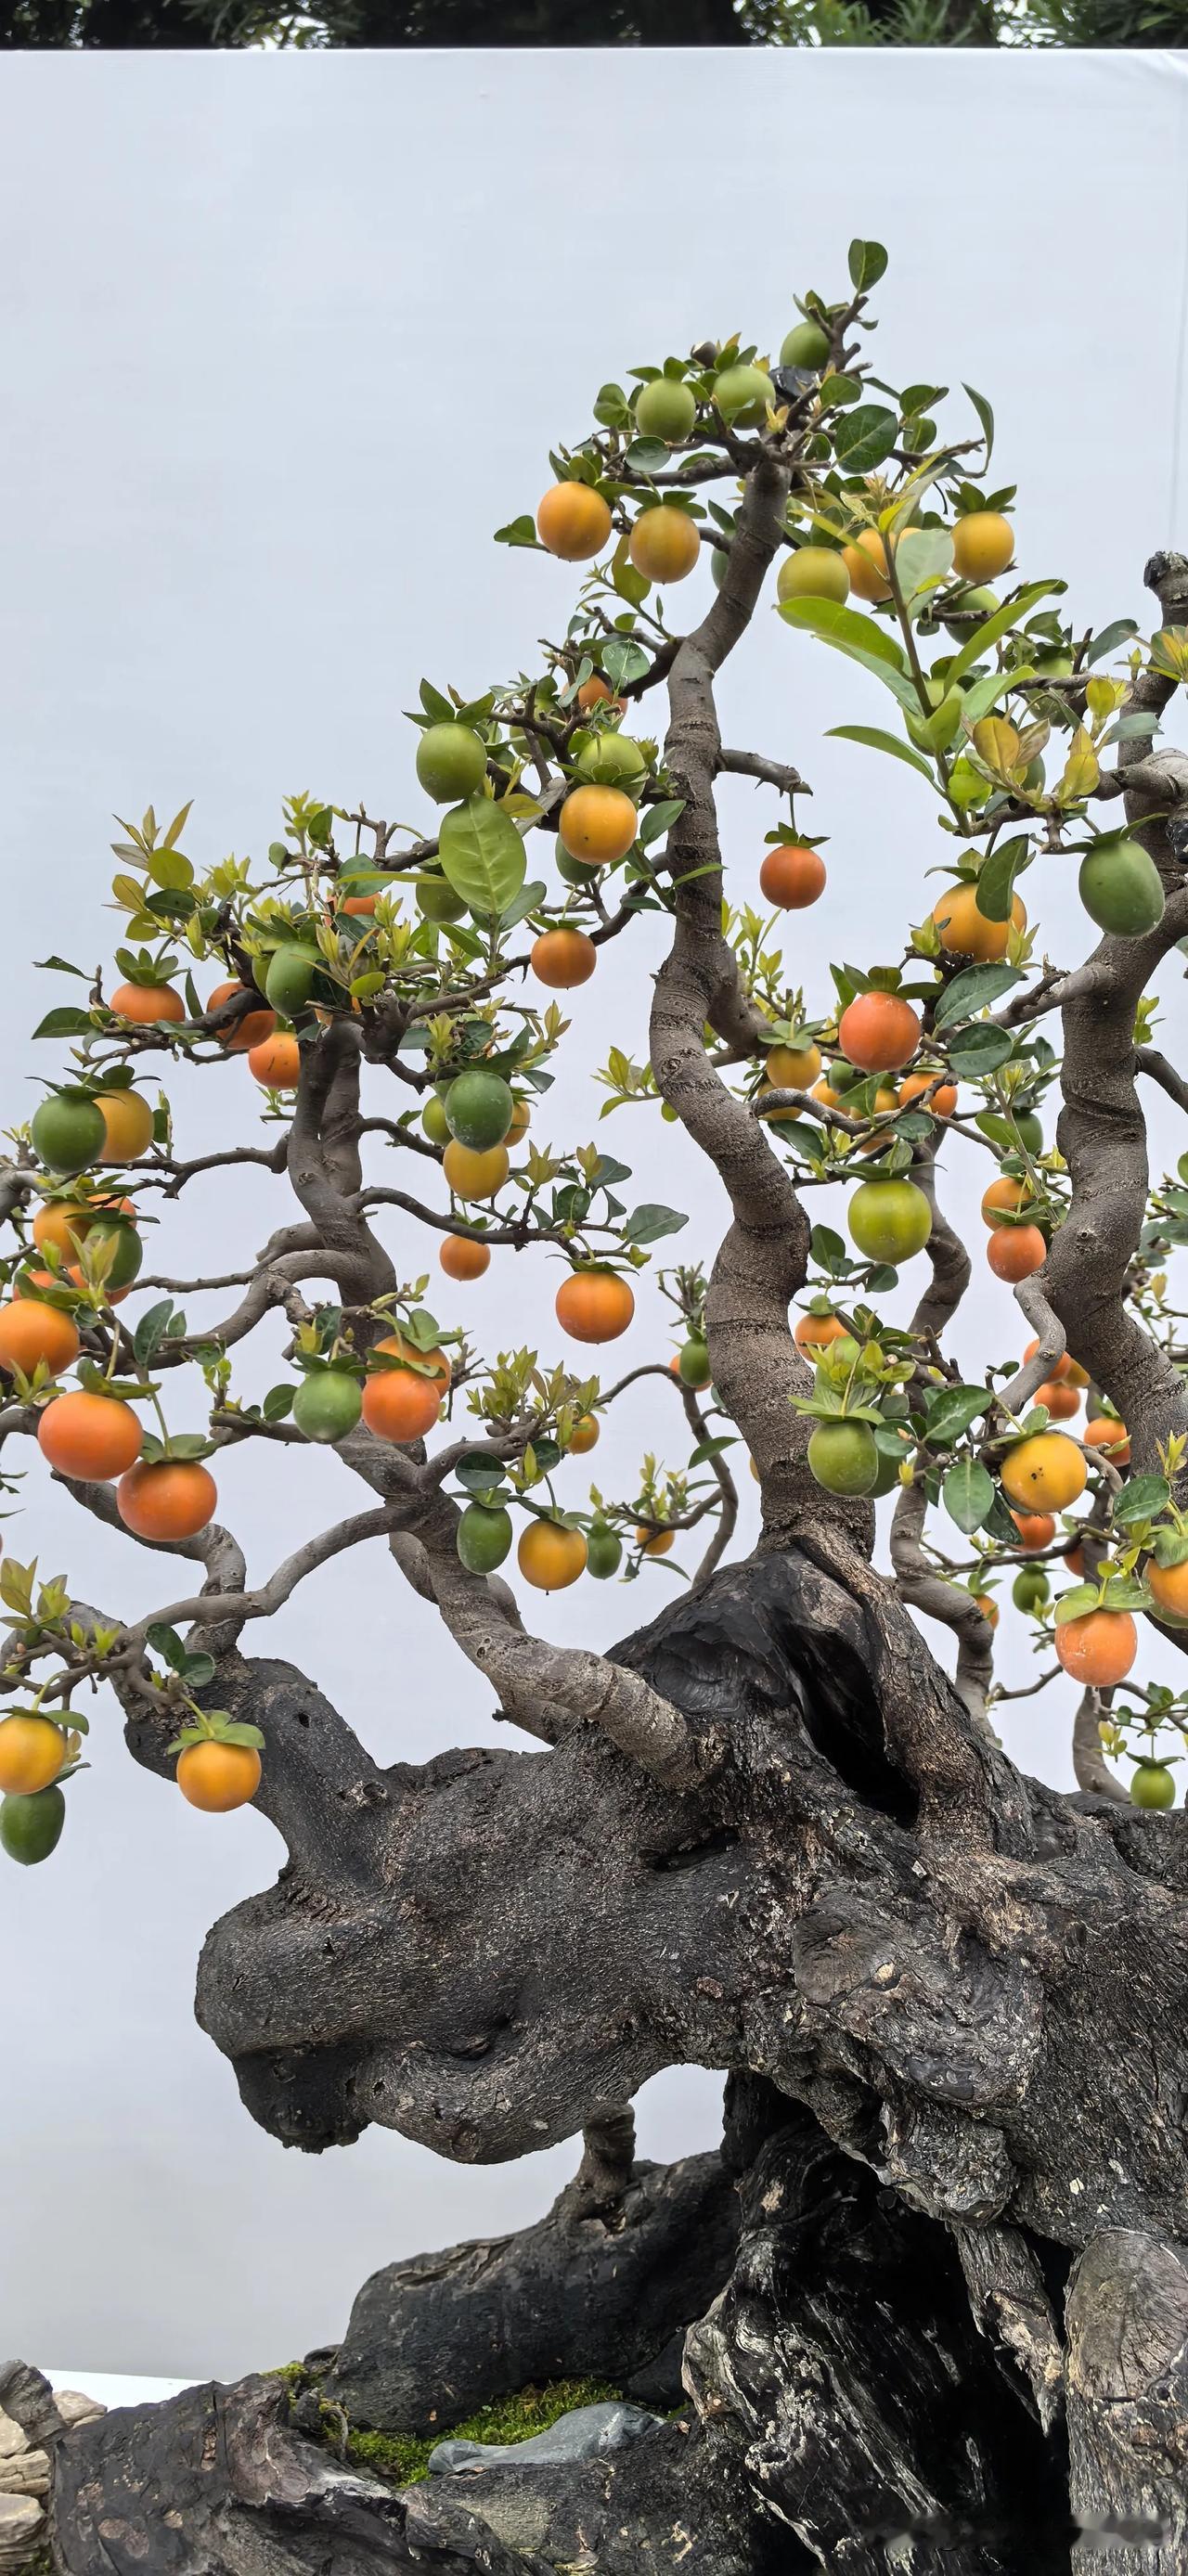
928 2306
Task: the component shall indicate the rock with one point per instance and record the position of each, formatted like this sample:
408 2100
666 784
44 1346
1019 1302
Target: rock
586 2433
21 2524
11 2439
582 2294
75 2407
26 2396
25 2473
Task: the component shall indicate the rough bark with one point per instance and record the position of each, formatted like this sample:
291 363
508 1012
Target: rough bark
601 2293
852 2406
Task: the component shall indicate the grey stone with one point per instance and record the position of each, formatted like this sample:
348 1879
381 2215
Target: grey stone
21 2522
75 2407
586 2433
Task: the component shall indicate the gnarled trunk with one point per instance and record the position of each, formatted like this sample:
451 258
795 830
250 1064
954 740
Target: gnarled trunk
945 2321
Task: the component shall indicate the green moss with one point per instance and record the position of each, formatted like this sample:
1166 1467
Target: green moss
404 2457
294 2374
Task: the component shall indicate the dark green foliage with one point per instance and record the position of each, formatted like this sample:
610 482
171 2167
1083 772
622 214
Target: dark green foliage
115 24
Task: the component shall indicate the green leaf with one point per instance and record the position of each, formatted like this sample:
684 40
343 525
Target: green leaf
277 1402
968 1493
646 456
479 1475
952 1411
922 558
200 1669
1074 1604
865 437
711 1448
68 1022
1000 624
168 868
482 855
859 638
836 390
61 966
1110 638
623 660
518 532
867 263
166 1643
150 1331
996 877
659 819
986 417
1125 1592
978 1050
1141 1499
972 990
650 1222
829 1251
876 740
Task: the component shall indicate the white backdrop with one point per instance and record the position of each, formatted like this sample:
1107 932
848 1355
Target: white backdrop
284 340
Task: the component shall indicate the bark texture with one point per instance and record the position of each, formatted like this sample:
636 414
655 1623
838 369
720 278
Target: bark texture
604 2293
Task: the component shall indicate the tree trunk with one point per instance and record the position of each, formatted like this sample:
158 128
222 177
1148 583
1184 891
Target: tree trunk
951 2005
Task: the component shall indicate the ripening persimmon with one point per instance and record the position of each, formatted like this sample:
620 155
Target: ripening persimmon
472 1175
983 544
584 1435
879 1032
942 1096
1046 1471
1036 1529
462 1258
1004 1199
1065 1368
1111 1437
147 1003
792 876
814 1332
276 1061
253 1028
167 1498
1061 1399
90 1437
573 521
33 1749
594 1305
1168 1585
664 543
595 692
563 958
395 1346
399 1404
866 563
31 1331
1098 1649
966 932
598 824
550 1556
218 1777
1015 1252
127 1125
60 1223
654 1542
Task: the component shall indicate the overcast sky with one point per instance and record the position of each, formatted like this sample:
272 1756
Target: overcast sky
284 341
